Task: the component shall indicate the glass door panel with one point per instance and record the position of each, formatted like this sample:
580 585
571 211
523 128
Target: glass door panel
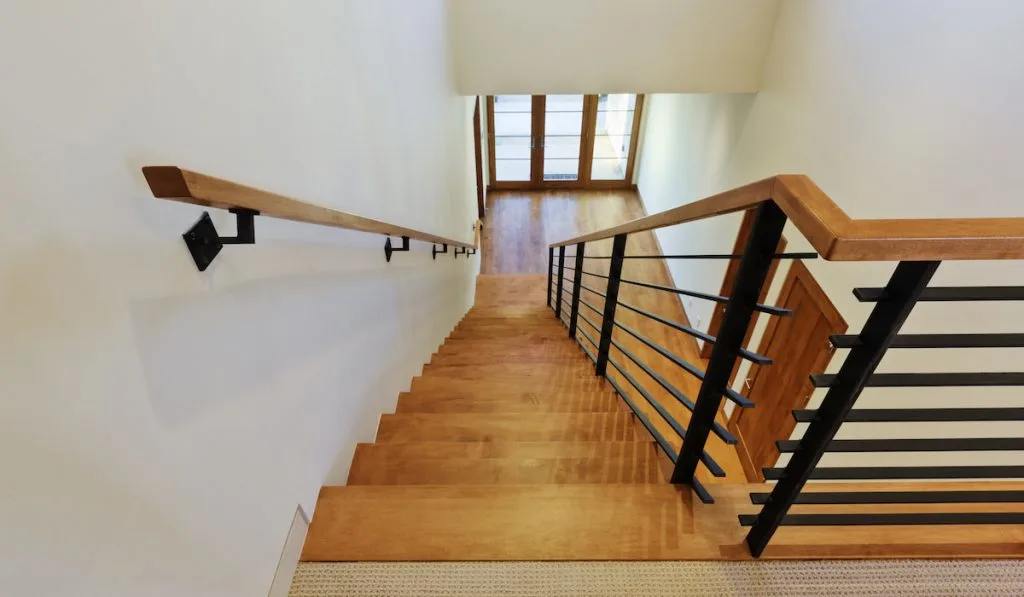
563 135
513 137
613 136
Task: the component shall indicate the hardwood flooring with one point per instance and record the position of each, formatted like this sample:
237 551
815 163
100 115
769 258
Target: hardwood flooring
518 228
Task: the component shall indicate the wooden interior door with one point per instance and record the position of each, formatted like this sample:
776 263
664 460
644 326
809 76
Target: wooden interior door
798 346
729 281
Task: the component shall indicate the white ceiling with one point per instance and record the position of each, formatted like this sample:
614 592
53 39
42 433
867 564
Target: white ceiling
593 46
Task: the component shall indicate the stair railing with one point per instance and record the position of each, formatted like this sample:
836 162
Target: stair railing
918 247
204 242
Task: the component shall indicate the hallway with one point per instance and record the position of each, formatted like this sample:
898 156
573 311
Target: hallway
519 226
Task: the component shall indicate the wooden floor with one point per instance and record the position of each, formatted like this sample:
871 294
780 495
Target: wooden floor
518 228
507 447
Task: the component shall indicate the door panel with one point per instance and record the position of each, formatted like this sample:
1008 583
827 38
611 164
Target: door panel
563 137
613 136
798 346
512 135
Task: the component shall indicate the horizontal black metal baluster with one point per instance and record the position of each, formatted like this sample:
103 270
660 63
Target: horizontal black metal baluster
945 444
950 293
907 283
901 497
701 295
840 473
929 518
590 323
588 337
927 380
709 462
666 447
693 370
716 427
939 340
715 256
591 307
751 356
765 233
919 415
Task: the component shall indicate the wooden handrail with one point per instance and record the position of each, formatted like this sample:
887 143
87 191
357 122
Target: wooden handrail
837 237
179 184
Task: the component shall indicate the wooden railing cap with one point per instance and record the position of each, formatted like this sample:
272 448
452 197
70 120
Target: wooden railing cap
835 236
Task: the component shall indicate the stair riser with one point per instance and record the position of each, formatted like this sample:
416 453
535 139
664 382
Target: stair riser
441 402
371 470
483 387
397 452
519 428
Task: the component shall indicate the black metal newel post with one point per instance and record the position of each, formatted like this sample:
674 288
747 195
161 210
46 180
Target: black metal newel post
551 262
905 286
611 300
576 280
769 221
561 274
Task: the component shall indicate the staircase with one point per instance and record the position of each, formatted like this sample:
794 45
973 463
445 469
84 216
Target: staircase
510 446
507 447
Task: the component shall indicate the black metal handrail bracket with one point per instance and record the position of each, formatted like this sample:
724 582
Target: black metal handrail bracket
204 243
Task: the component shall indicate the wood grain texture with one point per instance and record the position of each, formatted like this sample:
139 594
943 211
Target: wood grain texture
520 224
370 468
838 238
486 476
178 184
416 427
507 450
509 401
616 522
799 346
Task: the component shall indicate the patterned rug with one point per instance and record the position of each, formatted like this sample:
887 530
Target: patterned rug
973 578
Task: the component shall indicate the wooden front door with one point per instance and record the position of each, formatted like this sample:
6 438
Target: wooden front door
798 346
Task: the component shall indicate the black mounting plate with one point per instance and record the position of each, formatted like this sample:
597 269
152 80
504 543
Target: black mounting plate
203 242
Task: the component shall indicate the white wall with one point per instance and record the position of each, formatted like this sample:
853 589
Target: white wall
601 46
158 425
896 109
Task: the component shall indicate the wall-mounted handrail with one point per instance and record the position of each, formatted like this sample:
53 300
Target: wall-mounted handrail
835 235
179 184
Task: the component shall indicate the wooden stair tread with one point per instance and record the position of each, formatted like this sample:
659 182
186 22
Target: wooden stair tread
490 370
484 358
611 522
498 449
414 427
374 468
535 384
514 522
441 401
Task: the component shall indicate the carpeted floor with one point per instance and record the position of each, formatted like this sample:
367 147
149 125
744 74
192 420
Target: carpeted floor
904 578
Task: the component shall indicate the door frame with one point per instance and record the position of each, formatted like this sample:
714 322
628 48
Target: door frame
797 271
588 124
478 151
